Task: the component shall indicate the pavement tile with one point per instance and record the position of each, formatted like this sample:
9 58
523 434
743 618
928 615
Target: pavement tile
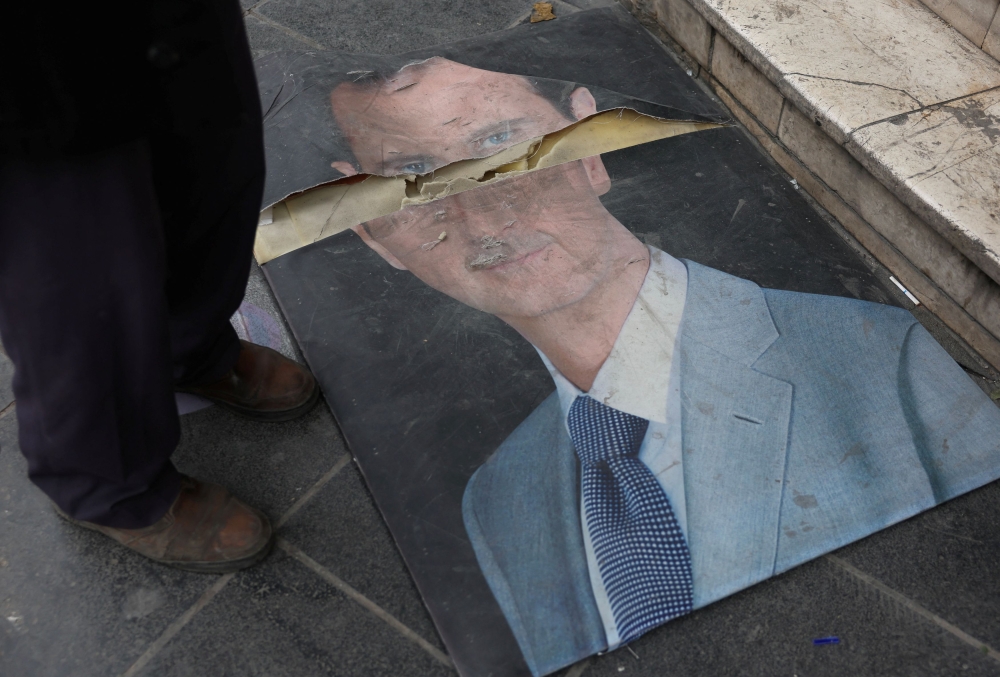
342 530
591 4
946 560
265 38
73 602
268 465
280 619
769 630
388 26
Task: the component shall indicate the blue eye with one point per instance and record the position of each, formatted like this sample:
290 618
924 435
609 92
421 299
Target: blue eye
415 168
496 139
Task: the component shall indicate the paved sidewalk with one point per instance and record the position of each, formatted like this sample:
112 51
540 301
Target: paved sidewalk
922 598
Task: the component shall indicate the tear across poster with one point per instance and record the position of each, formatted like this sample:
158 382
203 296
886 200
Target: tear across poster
592 396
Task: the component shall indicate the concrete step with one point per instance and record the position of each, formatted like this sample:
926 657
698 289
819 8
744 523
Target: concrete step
886 114
977 20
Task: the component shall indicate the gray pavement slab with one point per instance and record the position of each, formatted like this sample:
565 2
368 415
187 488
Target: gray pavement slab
769 630
591 4
72 602
265 37
389 26
343 531
269 465
281 620
946 559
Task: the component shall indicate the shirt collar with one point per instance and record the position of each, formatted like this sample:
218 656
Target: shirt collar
635 378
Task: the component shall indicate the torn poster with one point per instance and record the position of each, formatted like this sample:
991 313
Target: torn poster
593 396
332 208
329 115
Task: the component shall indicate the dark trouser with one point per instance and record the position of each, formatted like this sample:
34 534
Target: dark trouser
119 272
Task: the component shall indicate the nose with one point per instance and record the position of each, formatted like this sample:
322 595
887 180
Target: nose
482 220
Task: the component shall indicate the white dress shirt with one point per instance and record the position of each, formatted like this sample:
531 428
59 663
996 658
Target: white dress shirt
639 378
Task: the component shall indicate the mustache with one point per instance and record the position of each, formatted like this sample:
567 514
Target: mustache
489 259
494 251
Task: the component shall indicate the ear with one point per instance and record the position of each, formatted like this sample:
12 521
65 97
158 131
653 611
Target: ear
582 103
597 174
377 248
345 168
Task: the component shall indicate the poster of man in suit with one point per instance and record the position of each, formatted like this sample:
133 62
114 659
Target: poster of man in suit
704 433
780 426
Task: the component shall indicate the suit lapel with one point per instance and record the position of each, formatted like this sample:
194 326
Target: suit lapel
522 514
734 423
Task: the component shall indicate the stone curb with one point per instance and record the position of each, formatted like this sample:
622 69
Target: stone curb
872 163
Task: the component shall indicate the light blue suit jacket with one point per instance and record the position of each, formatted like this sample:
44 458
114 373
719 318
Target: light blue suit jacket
808 422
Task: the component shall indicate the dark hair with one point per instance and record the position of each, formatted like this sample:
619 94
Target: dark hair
372 79
556 92
368 79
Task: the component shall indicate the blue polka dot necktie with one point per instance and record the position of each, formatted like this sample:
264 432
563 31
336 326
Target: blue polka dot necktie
640 548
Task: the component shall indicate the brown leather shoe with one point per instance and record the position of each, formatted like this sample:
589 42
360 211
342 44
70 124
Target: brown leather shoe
207 530
264 385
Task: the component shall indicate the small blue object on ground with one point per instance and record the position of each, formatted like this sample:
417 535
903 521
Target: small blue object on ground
826 640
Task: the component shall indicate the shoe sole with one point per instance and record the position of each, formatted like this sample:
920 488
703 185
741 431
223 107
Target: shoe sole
223 567
228 567
271 416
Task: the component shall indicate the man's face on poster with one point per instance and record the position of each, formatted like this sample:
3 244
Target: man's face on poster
431 114
519 247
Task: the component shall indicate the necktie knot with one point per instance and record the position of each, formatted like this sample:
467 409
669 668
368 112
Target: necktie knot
601 433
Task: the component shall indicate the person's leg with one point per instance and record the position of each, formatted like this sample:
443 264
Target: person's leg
83 317
209 178
113 267
209 181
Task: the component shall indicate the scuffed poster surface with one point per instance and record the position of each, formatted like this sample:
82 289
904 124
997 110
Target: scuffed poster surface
594 396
